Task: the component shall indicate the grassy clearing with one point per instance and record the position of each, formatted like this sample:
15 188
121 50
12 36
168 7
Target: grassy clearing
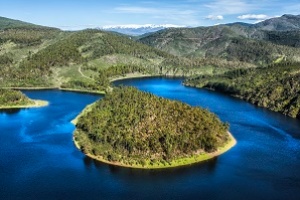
130 76
280 59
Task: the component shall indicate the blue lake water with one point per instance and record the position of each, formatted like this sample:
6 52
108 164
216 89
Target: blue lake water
39 161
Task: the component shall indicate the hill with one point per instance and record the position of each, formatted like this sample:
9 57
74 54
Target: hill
24 34
136 129
260 44
136 30
276 87
283 23
6 23
37 56
88 59
77 59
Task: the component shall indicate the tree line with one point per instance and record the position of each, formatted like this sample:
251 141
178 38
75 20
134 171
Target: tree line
276 87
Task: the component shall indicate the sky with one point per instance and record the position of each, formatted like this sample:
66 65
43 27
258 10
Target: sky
81 14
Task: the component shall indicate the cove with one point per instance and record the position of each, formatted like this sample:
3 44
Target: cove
38 159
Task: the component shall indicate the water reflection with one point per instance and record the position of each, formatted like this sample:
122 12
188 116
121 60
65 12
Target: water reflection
10 111
88 162
207 167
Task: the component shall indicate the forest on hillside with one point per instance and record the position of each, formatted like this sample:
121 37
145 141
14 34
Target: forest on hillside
276 87
36 56
232 42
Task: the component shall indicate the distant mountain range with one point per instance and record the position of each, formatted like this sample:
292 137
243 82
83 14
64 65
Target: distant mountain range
135 29
283 23
260 43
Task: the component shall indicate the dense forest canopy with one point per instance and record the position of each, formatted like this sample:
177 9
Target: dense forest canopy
135 128
13 98
276 87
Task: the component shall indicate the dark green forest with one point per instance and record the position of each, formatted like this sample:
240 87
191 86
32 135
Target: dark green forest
13 98
131 126
276 87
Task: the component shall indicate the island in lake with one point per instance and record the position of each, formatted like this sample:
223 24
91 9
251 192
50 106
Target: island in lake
16 99
136 129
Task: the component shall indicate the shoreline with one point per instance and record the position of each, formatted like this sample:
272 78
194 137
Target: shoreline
136 76
55 88
31 88
82 91
37 104
175 163
128 76
131 76
85 110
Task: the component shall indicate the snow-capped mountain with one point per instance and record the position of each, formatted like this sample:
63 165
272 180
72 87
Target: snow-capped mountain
135 29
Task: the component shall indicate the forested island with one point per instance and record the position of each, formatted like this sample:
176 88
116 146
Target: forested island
16 99
135 129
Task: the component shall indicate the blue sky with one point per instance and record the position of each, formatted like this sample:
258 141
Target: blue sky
80 14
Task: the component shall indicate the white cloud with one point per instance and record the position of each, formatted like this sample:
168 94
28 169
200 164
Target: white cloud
254 17
169 13
214 17
230 7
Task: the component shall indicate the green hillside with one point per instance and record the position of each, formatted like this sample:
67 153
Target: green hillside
6 23
260 44
77 59
222 42
37 56
283 23
276 87
88 59
289 38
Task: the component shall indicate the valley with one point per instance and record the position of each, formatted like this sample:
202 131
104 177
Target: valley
34 56
133 99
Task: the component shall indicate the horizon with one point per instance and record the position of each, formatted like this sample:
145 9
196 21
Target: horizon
78 15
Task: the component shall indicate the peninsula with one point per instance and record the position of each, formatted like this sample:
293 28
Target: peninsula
16 99
131 128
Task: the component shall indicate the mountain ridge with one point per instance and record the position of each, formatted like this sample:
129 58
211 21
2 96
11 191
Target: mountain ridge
228 41
6 23
137 29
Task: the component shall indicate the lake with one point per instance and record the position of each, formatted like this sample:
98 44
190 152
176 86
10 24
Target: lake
38 159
